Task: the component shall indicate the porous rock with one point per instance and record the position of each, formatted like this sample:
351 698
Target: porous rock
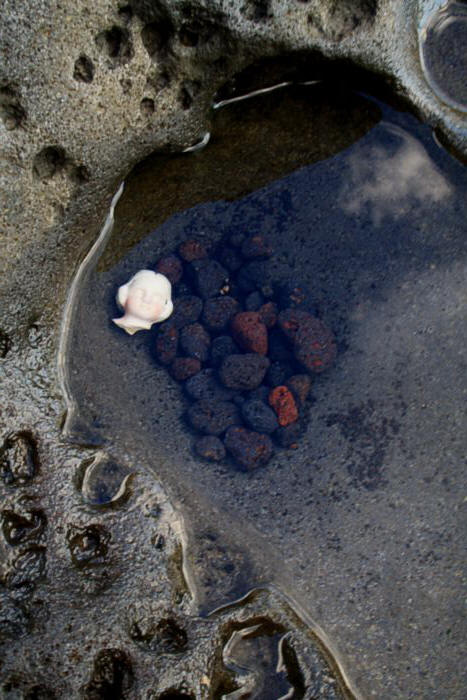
249 449
243 372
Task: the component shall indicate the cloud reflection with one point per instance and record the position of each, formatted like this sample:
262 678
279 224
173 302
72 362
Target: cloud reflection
391 184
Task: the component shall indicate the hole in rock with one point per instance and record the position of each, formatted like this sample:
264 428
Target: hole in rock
364 220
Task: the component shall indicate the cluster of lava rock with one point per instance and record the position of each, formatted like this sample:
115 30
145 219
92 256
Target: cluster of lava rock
244 350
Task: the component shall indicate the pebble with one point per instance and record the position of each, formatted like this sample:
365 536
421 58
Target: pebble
315 346
205 385
249 448
184 367
166 343
210 447
250 332
268 314
195 341
290 320
222 346
192 250
230 258
243 372
209 277
218 311
254 301
170 266
236 239
213 417
256 247
252 276
282 401
259 417
187 309
300 385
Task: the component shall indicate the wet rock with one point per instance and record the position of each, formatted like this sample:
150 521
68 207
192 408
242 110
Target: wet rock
259 417
243 372
282 401
210 448
289 435
256 247
205 385
213 417
184 367
171 266
19 461
254 301
23 526
105 482
290 320
249 449
293 295
300 386
112 676
166 343
218 312
28 567
192 250
278 373
230 259
187 309
268 314
315 346
221 347
88 545
250 332
209 277
195 341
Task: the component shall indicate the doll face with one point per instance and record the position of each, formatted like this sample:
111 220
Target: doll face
144 302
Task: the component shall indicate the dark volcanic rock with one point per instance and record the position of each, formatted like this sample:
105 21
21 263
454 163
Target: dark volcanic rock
222 346
210 447
278 373
252 275
315 346
248 448
195 341
166 344
256 247
205 385
192 250
243 372
230 258
236 239
170 266
218 311
184 367
289 435
209 277
259 417
213 417
254 301
187 309
250 332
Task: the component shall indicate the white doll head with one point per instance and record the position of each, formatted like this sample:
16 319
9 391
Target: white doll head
145 299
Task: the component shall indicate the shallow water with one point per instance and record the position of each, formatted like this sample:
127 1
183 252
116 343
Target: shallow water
361 525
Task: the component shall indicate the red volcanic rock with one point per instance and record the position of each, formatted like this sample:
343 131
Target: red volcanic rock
282 401
184 367
268 314
170 266
250 332
300 385
256 247
315 346
192 250
248 448
290 320
166 344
